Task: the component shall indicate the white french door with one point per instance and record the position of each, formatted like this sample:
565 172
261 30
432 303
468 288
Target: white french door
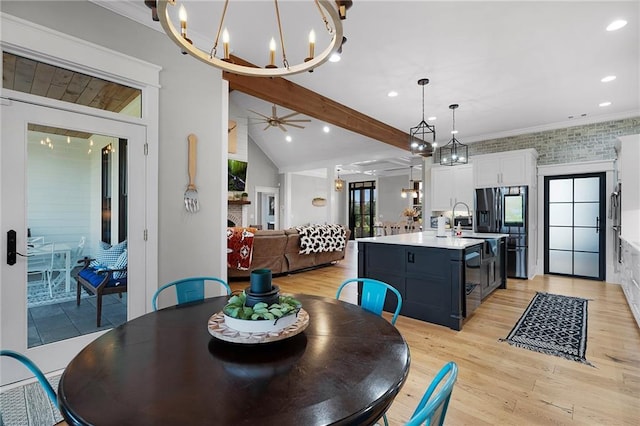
17 120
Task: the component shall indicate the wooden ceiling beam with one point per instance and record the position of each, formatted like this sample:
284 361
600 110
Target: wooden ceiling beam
285 93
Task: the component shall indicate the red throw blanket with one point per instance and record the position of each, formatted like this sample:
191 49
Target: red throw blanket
240 247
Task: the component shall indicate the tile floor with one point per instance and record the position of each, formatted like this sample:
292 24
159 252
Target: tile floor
59 321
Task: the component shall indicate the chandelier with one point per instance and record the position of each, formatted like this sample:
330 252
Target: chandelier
409 192
455 152
330 14
339 183
422 137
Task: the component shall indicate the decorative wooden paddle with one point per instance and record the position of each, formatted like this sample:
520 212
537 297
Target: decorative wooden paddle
191 194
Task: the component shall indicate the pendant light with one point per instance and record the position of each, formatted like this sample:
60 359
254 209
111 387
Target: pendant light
454 153
422 137
409 192
338 183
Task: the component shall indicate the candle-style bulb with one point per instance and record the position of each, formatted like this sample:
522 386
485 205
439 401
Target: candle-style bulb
312 43
225 43
183 21
272 52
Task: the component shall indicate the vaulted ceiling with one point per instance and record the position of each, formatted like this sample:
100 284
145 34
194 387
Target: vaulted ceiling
513 66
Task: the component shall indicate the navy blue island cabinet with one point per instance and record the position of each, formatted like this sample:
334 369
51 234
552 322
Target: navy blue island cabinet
441 280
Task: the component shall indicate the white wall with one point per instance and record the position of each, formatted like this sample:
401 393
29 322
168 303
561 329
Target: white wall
629 161
58 190
260 172
193 99
390 204
303 190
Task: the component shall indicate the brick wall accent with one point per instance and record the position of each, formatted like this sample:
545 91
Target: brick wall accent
588 142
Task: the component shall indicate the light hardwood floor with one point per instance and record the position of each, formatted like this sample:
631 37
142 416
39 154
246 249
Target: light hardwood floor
505 385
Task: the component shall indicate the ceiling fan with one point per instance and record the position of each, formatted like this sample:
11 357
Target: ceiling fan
275 121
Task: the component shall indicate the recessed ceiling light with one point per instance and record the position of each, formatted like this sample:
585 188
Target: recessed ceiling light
604 104
616 25
392 94
288 138
325 129
608 78
432 118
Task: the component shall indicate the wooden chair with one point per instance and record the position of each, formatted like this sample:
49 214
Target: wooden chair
100 282
189 289
46 386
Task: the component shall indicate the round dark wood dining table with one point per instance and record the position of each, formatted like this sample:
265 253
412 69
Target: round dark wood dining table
166 368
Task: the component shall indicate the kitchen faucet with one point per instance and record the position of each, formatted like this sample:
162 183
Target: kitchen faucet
453 215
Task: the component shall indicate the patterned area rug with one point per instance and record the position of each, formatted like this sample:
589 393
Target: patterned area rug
38 292
555 325
28 405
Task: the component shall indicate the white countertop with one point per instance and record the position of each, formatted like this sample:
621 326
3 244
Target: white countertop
425 239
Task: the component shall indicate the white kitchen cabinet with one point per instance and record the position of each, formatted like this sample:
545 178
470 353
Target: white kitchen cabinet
628 160
630 277
451 184
511 168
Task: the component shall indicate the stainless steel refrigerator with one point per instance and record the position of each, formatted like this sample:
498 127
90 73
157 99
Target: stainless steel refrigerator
504 210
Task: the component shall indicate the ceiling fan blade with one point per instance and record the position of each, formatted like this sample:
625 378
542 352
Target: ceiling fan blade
282 127
302 120
268 125
294 125
289 115
261 115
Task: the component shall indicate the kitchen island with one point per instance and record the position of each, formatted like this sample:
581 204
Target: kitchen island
441 279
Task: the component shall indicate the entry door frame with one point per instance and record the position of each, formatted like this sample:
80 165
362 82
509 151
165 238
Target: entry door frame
40 43
606 166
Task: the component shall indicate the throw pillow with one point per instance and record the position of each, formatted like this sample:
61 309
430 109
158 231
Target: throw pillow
107 255
121 263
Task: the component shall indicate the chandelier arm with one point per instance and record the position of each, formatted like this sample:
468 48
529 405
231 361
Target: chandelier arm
214 49
284 51
324 18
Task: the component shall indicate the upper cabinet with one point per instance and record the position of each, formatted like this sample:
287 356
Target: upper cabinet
511 168
450 185
628 160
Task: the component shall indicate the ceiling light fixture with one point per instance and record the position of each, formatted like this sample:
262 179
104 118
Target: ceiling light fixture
604 104
455 152
338 183
288 138
616 25
326 129
392 94
608 78
330 12
409 192
422 136
337 55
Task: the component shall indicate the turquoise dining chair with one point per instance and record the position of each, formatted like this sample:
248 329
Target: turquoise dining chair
374 293
46 386
189 289
372 299
433 407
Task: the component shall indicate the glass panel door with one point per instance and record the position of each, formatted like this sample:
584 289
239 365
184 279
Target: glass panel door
574 224
362 208
51 199
62 198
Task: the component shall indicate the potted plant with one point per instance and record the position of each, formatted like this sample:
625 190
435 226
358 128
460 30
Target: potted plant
244 196
260 317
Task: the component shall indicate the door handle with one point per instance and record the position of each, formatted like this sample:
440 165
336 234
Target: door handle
11 247
597 224
411 257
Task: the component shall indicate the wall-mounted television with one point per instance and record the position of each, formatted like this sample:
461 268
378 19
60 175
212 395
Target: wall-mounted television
237 175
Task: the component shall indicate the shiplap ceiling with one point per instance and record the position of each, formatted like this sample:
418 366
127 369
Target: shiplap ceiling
513 66
37 78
